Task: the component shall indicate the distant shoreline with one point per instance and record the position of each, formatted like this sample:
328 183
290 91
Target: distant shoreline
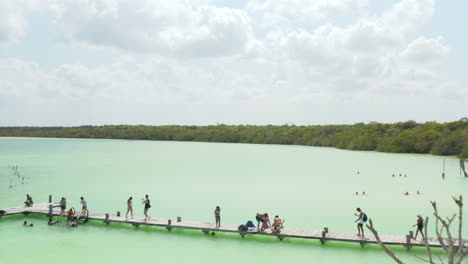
448 139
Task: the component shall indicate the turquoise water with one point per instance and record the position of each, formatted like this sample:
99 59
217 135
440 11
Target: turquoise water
310 187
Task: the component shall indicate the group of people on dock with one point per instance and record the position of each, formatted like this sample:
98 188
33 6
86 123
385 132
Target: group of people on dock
146 201
263 219
263 223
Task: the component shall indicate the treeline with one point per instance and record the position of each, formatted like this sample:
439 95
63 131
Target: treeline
403 137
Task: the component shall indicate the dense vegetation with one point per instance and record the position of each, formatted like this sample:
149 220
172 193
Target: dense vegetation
403 137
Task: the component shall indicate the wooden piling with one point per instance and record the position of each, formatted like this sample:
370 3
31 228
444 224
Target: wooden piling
179 219
106 221
50 210
322 239
50 198
408 241
411 234
118 213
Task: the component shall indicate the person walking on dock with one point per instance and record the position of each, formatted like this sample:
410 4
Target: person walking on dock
84 208
420 224
63 205
362 218
129 207
147 204
217 213
29 201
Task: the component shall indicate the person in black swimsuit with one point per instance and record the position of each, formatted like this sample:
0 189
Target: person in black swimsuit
420 224
147 204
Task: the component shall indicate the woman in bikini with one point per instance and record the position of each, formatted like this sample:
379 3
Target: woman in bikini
129 207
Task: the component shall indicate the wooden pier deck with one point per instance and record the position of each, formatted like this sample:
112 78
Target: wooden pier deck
49 209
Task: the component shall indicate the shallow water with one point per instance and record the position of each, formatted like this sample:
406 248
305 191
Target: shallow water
308 186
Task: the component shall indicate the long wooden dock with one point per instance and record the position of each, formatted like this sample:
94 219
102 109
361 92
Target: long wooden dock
49 209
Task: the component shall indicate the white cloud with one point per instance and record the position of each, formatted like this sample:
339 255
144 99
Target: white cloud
426 50
12 22
409 15
306 9
175 27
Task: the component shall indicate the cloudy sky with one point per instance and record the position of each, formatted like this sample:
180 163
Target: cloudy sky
67 62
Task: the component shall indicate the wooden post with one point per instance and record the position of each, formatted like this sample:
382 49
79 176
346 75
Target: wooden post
118 213
408 241
325 229
179 219
50 198
169 221
50 210
322 239
411 234
107 219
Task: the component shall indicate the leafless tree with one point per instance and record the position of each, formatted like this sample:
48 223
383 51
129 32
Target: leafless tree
455 249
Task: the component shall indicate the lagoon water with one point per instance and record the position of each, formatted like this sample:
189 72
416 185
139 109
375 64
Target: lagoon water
310 187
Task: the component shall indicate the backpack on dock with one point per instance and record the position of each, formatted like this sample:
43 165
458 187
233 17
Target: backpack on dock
243 228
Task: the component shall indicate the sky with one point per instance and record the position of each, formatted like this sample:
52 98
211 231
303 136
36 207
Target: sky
258 62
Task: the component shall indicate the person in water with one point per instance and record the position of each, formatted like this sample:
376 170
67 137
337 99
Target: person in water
360 222
52 222
420 225
260 219
277 224
217 213
70 215
129 207
63 205
147 204
29 201
25 223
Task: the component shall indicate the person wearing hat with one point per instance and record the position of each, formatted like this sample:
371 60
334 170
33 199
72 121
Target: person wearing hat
420 224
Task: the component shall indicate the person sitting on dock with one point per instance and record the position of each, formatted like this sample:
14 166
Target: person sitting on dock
147 204
360 222
277 224
63 205
260 219
84 209
129 207
217 213
29 201
420 224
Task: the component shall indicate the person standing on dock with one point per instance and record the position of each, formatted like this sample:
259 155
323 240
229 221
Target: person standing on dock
29 201
260 219
420 224
217 213
147 204
84 208
362 218
129 207
63 205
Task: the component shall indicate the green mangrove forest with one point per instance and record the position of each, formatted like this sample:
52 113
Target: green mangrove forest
403 137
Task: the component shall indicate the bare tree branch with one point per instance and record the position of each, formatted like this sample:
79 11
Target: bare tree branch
389 252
